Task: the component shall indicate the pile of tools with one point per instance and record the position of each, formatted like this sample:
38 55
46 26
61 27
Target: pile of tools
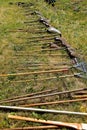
41 55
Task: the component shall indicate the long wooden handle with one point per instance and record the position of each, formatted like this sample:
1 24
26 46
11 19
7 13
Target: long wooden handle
30 94
30 73
38 96
34 128
62 124
56 102
80 96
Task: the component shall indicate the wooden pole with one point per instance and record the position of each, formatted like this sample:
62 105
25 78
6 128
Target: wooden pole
50 78
29 80
31 52
39 68
39 96
41 36
57 102
29 95
34 128
80 96
37 55
48 122
30 73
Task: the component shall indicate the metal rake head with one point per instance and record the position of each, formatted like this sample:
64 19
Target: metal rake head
81 75
82 66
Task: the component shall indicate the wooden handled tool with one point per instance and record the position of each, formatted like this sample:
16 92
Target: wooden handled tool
76 126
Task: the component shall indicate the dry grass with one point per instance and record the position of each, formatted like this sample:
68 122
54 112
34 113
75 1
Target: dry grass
70 18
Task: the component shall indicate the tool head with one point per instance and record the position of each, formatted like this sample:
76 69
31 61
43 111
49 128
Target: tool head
42 19
53 30
82 66
84 126
36 13
58 39
81 75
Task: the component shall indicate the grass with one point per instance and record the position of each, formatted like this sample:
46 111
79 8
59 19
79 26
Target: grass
70 18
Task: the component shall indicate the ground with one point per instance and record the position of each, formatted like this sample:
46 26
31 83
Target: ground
67 16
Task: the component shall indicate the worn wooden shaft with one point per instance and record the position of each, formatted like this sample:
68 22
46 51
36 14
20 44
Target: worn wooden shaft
31 21
31 73
29 80
40 26
31 28
35 31
38 55
39 96
49 122
48 64
57 102
42 79
42 36
35 43
53 49
36 40
34 128
39 37
29 95
80 96
35 24
38 68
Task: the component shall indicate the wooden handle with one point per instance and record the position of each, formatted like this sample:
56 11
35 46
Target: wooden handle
34 128
62 124
30 73
56 102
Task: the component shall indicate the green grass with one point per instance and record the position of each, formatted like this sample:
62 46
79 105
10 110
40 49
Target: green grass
67 16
